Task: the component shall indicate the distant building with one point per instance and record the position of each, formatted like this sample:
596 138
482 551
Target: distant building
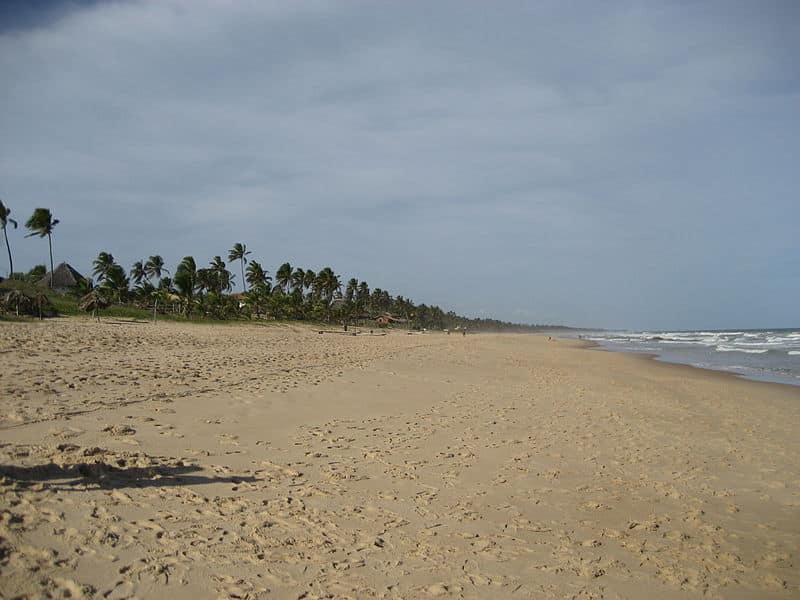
64 278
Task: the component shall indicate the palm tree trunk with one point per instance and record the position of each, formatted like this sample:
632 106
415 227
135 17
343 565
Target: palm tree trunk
155 310
50 243
8 247
244 281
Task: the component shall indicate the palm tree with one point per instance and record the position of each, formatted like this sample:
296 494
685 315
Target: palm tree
103 265
138 272
283 276
42 224
362 295
309 279
188 265
154 267
185 281
4 221
116 281
205 280
239 252
328 283
223 277
350 290
256 275
298 279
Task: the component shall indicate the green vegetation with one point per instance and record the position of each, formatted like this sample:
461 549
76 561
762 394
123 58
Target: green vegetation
204 293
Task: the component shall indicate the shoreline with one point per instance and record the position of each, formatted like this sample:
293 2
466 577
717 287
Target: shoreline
274 461
654 357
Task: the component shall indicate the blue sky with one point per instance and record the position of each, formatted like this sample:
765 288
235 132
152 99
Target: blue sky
615 164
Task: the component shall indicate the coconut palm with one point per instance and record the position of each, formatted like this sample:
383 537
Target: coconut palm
309 279
42 224
350 290
239 252
5 220
283 276
328 284
138 272
188 265
154 267
223 277
185 281
257 276
205 280
298 279
103 265
116 282
362 295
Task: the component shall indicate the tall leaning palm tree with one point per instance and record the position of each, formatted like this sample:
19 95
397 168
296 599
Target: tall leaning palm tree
4 221
42 224
239 252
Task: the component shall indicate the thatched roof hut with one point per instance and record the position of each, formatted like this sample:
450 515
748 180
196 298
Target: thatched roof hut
388 318
64 277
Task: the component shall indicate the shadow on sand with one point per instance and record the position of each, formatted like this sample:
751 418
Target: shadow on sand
82 476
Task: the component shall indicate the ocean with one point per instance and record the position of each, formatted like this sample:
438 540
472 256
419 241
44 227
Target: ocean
760 354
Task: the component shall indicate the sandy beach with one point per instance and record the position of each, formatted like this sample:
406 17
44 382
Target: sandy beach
245 461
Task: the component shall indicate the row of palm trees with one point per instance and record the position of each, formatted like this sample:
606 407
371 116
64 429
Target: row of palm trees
296 293
194 291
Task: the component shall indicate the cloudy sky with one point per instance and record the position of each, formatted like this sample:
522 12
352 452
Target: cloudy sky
614 164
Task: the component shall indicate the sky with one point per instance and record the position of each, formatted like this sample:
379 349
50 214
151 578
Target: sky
620 164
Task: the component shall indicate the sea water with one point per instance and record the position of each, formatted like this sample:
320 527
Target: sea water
761 354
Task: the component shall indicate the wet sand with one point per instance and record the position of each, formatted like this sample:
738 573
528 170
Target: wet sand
246 461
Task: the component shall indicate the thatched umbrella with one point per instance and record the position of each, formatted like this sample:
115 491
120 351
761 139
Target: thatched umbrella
40 299
16 299
94 301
